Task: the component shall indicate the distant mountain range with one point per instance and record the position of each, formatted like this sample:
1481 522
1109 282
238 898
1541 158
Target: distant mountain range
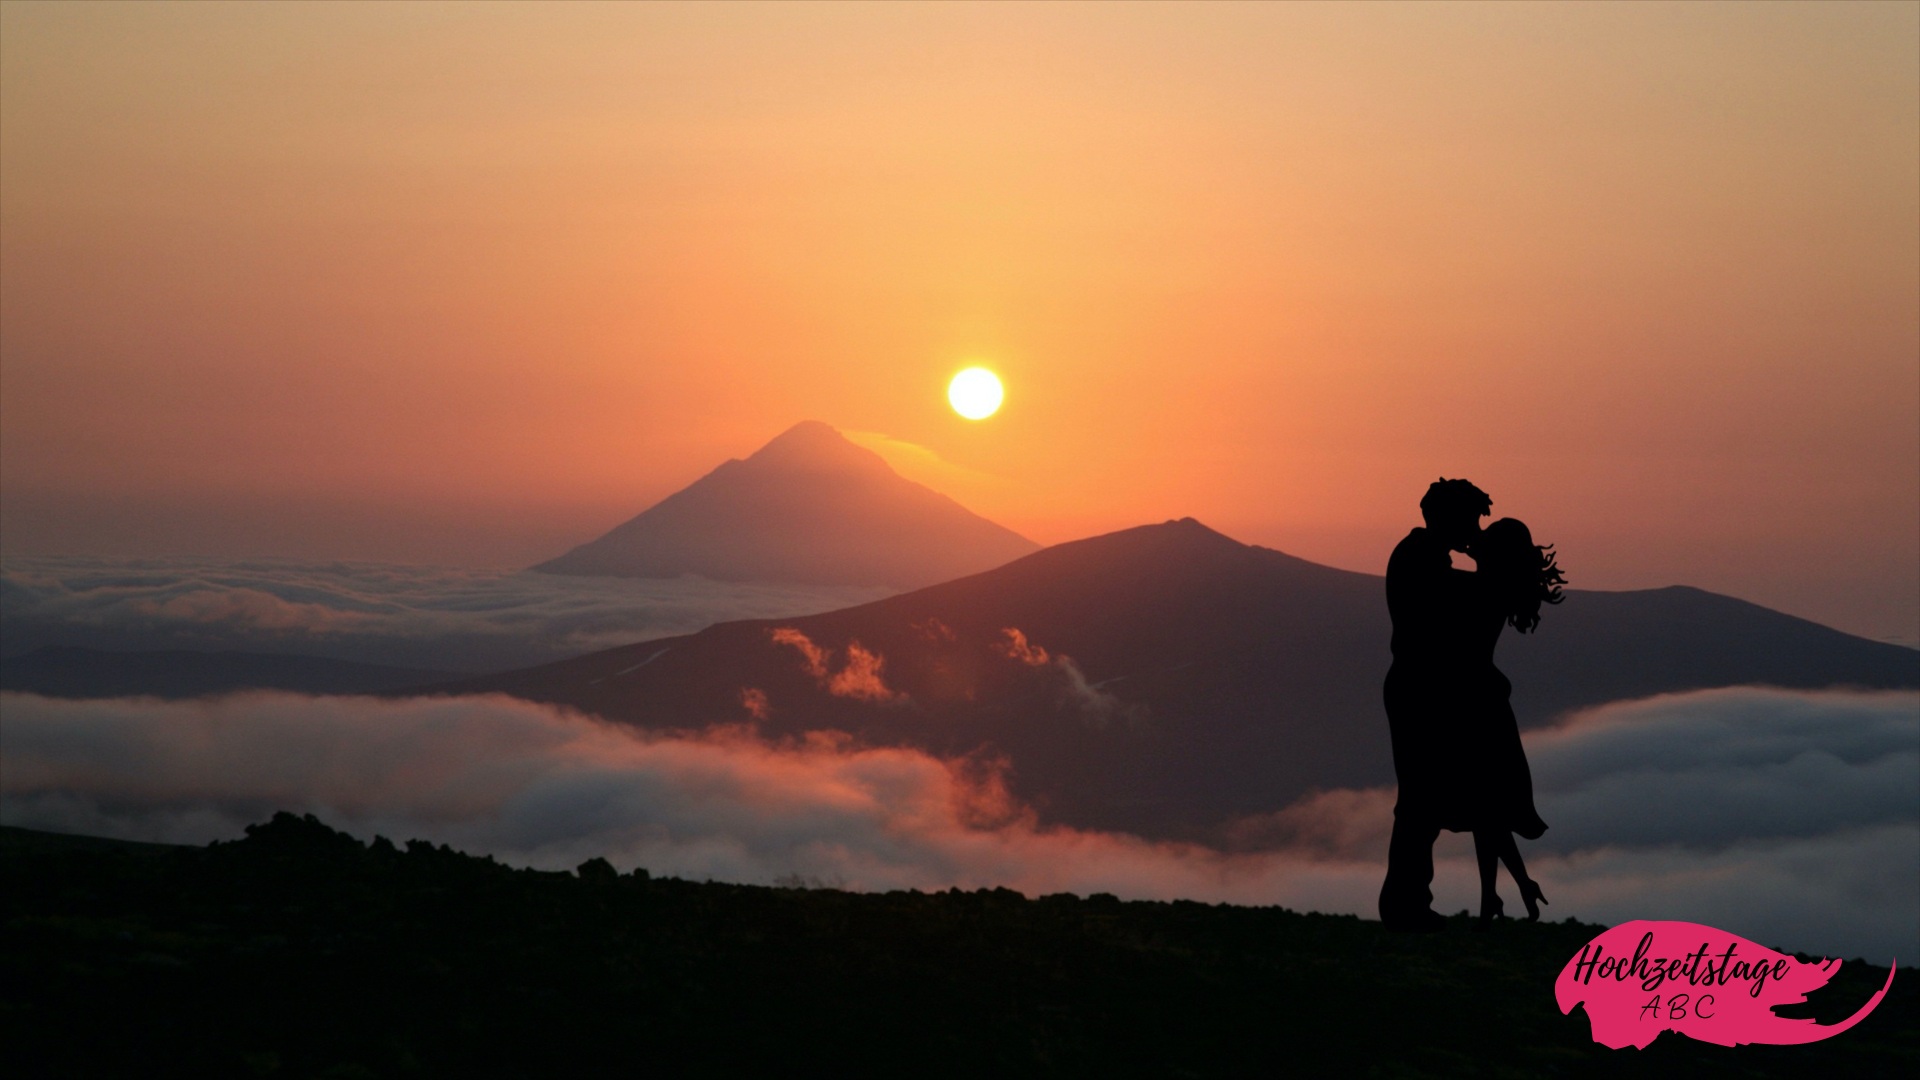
1167 679
68 672
1164 680
808 507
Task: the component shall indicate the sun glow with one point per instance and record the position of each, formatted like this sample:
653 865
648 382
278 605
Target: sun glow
975 393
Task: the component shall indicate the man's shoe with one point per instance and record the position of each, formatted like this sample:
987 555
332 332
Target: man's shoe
1490 909
1420 922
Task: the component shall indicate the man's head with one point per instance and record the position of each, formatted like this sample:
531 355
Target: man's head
1453 509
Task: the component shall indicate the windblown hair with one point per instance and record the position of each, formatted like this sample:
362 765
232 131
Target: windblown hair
1524 574
1445 497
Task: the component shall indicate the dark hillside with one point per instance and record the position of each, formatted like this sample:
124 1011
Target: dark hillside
300 952
1187 678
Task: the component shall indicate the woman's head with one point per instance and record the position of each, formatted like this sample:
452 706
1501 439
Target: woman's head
1523 574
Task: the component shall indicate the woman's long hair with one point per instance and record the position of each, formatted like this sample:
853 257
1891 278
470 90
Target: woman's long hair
1524 574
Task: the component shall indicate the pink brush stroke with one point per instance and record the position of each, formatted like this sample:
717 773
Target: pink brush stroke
1645 977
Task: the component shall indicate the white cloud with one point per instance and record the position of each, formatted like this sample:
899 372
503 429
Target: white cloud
541 786
859 678
1095 705
547 787
1852 892
923 465
1716 767
1784 816
433 617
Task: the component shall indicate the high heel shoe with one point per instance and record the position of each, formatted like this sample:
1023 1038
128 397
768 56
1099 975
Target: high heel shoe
1490 909
1530 893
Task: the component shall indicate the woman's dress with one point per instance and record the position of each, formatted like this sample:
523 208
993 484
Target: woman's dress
1496 792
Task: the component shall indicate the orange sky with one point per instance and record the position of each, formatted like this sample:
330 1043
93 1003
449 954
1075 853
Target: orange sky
470 284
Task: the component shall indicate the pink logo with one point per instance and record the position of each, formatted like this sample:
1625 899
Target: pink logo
1642 978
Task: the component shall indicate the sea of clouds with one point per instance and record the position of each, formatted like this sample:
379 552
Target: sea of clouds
437 618
1791 818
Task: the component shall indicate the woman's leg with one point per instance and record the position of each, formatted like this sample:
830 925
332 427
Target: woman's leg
1530 893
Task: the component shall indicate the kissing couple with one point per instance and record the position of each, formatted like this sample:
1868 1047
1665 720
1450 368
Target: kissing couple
1456 744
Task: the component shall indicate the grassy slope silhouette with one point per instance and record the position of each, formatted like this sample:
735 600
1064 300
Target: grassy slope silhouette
299 951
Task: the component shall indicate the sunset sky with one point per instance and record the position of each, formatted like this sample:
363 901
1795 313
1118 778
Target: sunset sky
470 284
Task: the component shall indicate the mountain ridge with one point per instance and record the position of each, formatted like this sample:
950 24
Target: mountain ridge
1167 679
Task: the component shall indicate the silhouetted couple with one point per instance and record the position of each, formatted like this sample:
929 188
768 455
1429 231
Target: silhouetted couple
1456 744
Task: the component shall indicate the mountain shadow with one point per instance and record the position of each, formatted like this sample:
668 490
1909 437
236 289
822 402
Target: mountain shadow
808 507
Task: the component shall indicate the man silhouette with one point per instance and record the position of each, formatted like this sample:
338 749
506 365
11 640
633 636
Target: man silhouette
1426 692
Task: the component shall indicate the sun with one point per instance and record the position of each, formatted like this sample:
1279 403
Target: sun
975 393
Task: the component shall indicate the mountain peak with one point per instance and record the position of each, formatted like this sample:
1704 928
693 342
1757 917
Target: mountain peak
815 446
817 430
809 506
1195 529
1179 534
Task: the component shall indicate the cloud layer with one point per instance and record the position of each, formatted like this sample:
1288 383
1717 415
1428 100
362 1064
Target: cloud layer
1719 768
1839 873
431 617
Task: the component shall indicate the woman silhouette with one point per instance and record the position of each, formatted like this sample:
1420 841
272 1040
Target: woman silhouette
1514 576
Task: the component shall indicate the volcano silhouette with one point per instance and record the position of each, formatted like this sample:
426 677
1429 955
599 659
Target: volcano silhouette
809 507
